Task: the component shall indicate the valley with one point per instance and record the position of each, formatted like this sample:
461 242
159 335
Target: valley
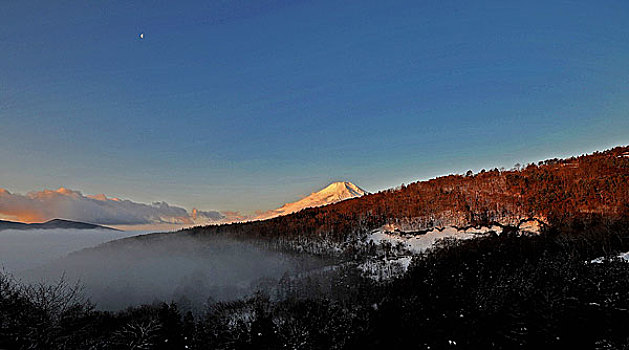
448 255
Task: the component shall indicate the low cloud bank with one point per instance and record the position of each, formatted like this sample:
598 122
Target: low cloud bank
164 267
99 209
171 267
22 250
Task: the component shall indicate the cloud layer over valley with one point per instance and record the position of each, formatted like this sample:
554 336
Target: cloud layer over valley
98 209
22 250
169 266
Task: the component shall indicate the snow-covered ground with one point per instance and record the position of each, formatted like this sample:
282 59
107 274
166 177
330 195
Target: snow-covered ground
392 248
385 269
396 248
416 244
622 257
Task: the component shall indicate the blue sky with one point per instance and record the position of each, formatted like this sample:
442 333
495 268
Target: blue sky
244 105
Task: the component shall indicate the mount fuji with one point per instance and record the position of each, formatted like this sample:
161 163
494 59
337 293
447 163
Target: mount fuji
335 192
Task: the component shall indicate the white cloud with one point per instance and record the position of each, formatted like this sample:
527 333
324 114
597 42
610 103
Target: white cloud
98 209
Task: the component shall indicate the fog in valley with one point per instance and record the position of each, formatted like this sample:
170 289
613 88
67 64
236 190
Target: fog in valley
22 250
166 267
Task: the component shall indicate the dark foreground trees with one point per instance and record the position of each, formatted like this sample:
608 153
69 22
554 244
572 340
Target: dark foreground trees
498 292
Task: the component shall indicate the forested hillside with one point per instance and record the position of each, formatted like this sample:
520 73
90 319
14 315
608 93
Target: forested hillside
554 190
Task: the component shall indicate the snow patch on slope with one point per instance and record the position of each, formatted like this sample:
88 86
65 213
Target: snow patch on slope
385 269
622 257
394 249
417 244
390 248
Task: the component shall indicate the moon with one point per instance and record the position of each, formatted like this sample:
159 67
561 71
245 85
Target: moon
141 35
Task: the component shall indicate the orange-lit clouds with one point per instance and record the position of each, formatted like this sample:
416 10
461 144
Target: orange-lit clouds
99 209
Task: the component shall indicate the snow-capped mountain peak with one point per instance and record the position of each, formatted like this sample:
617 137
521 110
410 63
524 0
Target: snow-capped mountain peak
335 192
342 190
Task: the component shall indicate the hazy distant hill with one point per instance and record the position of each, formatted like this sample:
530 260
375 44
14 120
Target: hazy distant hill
52 224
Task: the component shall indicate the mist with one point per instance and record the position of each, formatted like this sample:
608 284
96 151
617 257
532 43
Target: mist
189 270
22 250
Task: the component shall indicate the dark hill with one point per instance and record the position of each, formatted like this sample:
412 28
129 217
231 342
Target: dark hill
52 224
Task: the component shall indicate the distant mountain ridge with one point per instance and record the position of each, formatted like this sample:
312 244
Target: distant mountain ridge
51 224
333 193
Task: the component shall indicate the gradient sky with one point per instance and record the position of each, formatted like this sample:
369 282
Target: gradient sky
244 105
